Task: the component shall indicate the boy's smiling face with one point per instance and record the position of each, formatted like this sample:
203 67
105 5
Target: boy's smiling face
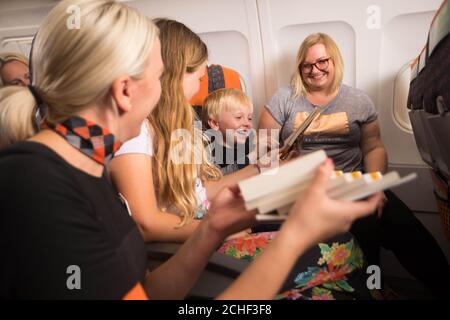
237 120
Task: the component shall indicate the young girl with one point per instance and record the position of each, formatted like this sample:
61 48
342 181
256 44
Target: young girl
159 191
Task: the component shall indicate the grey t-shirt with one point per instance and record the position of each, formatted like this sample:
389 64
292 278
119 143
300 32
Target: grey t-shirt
338 128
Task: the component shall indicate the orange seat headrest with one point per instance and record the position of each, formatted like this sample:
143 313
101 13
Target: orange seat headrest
217 77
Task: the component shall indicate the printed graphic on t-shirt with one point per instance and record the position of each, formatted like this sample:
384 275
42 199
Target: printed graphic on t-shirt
325 124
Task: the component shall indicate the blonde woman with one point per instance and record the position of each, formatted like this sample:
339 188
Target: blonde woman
13 69
170 209
60 215
349 131
16 123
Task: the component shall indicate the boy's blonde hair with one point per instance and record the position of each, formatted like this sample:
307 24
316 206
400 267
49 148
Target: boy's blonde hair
223 100
73 68
6 57
298 83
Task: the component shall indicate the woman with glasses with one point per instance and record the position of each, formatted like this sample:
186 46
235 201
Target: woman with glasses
13 69
348 130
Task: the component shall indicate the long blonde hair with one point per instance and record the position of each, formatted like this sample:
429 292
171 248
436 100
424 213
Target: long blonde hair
298 84
73 68
182 52
6 57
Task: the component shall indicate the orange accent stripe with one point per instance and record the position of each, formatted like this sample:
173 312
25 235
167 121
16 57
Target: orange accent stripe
437 13
136 293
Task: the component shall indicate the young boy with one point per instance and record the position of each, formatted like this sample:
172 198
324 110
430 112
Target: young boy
227 114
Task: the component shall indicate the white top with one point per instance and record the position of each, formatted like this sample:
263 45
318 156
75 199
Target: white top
142 144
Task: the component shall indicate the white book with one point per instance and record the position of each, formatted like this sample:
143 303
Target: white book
277 201
281 178
273 192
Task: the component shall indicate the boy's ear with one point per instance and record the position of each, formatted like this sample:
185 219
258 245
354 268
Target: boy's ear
213 124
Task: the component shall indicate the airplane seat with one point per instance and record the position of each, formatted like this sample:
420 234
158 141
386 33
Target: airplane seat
415 105
429 104
426 144
411 104
216 77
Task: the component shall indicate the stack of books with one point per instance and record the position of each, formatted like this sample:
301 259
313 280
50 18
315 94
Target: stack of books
273 192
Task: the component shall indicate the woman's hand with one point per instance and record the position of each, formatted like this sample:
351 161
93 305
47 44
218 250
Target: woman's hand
228 215
318 217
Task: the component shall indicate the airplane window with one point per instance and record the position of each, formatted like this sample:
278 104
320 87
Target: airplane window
401 90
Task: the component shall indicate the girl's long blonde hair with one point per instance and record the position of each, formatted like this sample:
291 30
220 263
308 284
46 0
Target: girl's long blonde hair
298 84
74 67
182 52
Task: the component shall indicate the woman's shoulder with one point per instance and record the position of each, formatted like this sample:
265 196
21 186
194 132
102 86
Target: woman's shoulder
358 103
32 168
355 93
33 156
284 91
283 96
33 161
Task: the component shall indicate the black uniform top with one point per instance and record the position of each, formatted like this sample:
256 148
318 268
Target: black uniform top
64 233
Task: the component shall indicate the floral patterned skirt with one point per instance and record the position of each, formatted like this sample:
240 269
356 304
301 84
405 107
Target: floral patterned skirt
331 270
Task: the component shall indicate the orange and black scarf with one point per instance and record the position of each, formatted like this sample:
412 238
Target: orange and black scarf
88 137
